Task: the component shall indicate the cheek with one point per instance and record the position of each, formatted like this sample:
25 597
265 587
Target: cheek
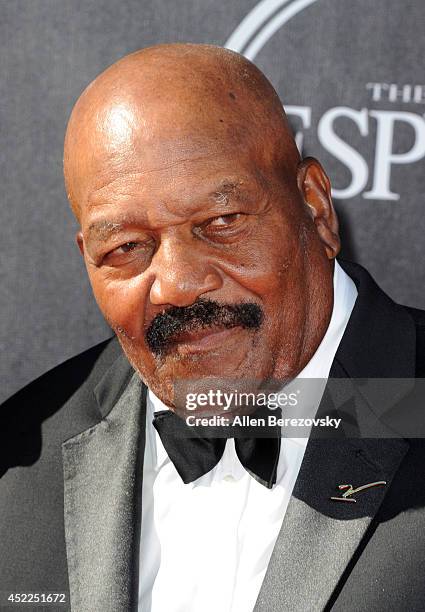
275 273
267 267
122 302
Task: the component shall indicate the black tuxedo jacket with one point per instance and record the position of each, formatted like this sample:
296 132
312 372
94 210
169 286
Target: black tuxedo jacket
70 485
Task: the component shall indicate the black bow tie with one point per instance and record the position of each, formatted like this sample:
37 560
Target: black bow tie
193 454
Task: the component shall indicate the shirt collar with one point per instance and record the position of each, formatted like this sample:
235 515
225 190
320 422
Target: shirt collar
345 294
318 368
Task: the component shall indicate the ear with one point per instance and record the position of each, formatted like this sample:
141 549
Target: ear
80 242
315 189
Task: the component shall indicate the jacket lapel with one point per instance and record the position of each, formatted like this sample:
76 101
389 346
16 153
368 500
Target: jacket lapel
102 490
319 536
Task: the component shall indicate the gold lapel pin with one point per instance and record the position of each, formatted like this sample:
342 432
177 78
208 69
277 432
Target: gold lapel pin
349 491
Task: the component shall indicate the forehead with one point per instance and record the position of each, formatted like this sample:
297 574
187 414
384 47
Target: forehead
178 173
164 142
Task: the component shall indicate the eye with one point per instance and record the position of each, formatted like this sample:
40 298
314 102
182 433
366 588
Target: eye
129 252
223 228
127 247
224 220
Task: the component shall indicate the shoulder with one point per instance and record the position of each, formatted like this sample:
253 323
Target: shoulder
57 405
418 317
64 379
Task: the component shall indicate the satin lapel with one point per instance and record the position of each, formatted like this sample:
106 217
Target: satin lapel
319 536
102 490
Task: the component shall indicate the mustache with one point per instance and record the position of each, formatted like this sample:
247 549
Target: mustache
201 314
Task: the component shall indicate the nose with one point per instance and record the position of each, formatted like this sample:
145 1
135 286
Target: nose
181 274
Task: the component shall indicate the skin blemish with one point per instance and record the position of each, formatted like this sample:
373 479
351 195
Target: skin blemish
226 189
103 230
232 95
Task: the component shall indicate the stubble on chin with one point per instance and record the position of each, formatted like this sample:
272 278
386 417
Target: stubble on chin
163 388
170 376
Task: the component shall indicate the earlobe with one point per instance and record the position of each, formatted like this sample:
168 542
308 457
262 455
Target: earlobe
80 241
315 189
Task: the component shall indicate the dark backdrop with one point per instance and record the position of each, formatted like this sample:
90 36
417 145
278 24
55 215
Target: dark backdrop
349 71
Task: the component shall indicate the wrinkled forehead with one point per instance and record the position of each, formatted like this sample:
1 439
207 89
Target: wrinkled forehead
167 107
175 178
164 139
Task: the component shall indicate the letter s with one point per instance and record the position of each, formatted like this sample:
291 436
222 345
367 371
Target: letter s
344 152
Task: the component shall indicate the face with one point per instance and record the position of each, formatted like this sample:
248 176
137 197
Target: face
201 256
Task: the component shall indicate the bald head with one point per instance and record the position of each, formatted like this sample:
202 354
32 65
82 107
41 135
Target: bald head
184 98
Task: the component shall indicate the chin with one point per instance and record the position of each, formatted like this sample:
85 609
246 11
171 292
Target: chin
173 375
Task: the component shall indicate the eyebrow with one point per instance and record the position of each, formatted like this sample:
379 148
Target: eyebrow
227 189
103 230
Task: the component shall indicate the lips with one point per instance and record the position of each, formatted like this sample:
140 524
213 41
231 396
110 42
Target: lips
204 339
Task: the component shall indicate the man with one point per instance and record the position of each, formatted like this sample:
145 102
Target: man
210 247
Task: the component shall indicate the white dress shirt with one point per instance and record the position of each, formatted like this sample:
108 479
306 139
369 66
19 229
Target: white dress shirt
205 546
